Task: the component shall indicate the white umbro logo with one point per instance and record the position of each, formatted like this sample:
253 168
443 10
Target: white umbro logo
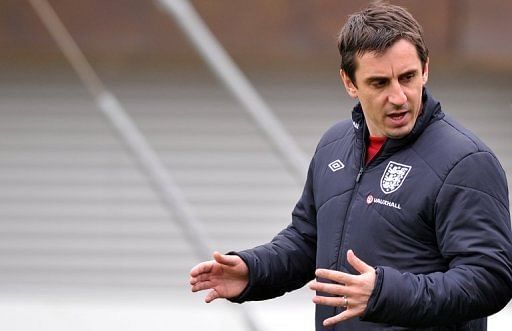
336 165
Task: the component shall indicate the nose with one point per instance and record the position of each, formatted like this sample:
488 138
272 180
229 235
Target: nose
397 96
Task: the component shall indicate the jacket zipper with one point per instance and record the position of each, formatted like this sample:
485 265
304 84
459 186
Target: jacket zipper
363 158
361 170
340 258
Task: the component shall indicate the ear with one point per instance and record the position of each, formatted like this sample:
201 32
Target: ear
425 72
349 85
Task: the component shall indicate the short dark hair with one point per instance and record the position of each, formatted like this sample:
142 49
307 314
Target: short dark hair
375 29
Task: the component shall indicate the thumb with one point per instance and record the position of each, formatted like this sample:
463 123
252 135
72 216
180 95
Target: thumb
212 295
229 260
357 263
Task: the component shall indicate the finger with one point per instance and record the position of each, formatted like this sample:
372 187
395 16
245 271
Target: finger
335 289
201 268
229 260
200 278
202 286
345 315
357 263
212 295
329 301
336 276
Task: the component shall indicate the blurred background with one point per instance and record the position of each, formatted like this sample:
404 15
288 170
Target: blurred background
86 240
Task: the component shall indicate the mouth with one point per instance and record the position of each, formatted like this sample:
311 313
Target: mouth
398 118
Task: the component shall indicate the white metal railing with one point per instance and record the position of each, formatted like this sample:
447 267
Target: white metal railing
237 83
163 183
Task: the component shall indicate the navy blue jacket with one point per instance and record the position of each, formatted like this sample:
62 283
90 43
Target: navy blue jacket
430 211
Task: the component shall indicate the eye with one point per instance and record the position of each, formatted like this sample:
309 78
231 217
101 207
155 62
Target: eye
408 77
378 83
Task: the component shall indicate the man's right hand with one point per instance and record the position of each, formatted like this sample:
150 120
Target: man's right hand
226 276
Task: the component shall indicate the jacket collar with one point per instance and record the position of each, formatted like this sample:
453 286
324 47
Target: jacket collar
430 113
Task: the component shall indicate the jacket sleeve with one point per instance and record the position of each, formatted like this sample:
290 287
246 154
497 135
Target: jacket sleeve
472 221
288 261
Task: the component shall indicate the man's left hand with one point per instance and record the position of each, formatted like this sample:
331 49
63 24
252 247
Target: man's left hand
350 291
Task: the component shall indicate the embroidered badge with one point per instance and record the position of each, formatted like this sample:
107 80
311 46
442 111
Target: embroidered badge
394 176
336 165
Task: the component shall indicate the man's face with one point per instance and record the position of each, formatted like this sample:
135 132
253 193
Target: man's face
389 88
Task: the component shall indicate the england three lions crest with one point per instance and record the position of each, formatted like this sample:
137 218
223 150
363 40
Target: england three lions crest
393 177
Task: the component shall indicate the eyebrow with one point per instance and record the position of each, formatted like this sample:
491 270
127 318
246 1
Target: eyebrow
372 79
408 72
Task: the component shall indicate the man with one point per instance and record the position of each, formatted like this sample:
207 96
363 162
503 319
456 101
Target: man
404 218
